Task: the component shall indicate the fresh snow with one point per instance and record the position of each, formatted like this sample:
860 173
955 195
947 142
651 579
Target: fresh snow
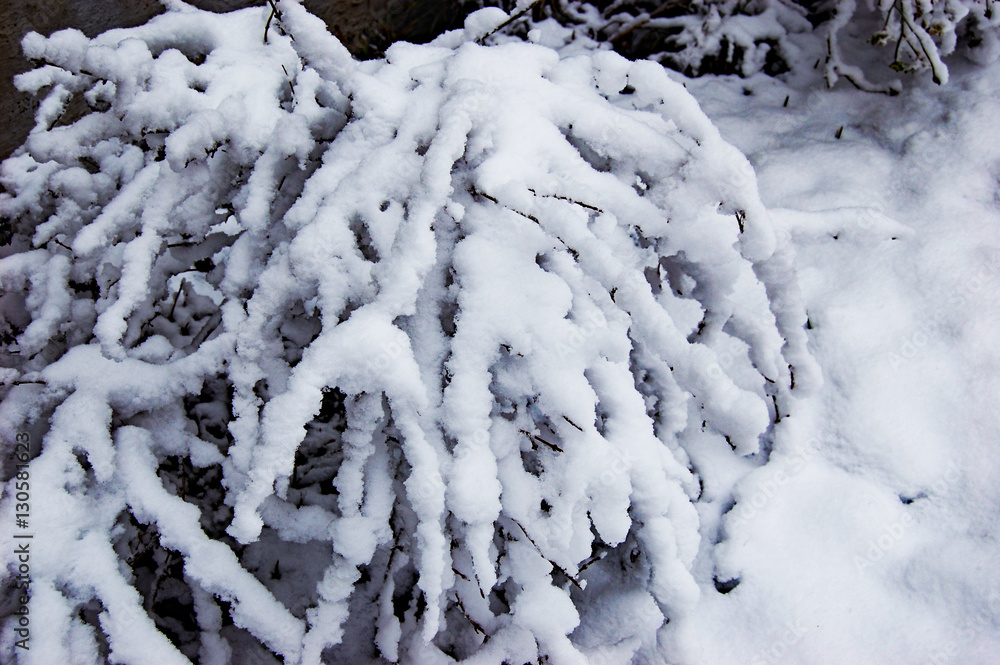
871 535
673 411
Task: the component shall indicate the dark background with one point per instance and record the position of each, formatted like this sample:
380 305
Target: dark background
365 26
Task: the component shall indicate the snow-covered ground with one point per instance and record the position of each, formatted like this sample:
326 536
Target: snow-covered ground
871 535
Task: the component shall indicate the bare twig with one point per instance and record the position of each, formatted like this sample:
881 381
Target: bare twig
207 329
538 439
274 13
566 418
476 192
555 565
475 626
62 244
180 287
514 17
568 199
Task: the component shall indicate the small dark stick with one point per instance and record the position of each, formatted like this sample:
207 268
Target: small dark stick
177 296
482 40
274 13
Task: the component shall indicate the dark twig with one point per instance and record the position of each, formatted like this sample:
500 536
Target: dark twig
61 244
207 329
475 626
170 315
555 565
482 40
566 198
476 192
274 13
592 560
538 439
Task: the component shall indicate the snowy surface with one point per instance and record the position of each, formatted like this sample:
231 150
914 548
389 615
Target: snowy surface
871 535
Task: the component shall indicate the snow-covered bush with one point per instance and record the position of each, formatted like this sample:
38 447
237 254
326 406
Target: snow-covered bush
698 37
401 360
749 36
921 34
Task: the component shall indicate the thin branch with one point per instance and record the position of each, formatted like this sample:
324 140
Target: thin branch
555 565
566 198
538 439
475 192
61 244
482 40
592 560
475 625
180 287
274 13
207 329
